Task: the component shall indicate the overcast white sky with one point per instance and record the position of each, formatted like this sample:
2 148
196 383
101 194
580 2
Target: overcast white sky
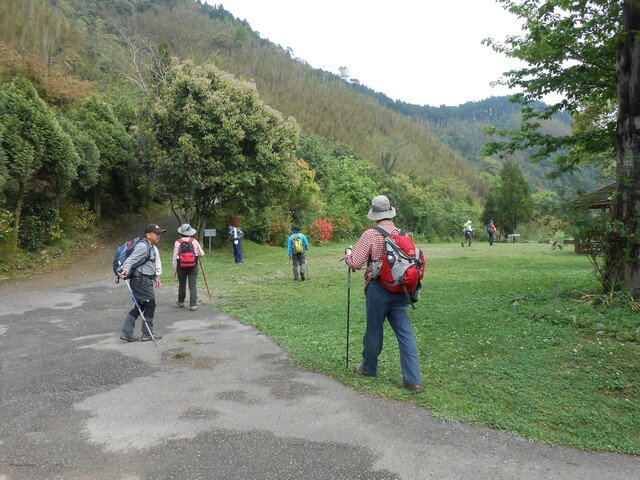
425 52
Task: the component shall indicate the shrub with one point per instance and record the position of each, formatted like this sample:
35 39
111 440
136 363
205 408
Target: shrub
6 224
321 231
78 217
38 223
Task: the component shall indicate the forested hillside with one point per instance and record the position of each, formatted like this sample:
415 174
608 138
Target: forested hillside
75 39
101 66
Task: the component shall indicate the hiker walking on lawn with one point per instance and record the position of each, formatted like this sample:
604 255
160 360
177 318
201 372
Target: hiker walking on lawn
236 235
143 269
186 254
491 231
296 246
467 231
381 303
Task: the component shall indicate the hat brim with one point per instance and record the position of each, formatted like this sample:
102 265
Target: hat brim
381 215
157 230
189 233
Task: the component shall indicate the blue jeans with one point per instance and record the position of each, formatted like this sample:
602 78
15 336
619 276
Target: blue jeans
237 251
382 304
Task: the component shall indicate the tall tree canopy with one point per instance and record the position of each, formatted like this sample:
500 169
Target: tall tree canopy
570 51
589 52
514 198
117 166
39 154
221 147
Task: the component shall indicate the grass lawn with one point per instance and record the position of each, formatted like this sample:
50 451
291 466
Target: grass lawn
503 339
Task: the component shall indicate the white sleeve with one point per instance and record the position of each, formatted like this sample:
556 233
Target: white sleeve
158 261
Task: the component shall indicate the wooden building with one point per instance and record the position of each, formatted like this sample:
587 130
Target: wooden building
600 199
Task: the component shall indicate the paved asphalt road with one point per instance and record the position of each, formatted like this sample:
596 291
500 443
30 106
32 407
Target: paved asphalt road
78 403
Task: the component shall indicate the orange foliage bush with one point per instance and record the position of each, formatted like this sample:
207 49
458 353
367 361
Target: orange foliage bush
321 230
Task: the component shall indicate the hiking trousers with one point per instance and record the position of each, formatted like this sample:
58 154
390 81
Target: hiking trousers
188 276
142 287
382 304
467 238
299 261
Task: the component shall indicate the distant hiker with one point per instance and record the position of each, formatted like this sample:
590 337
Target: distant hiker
235 236
145 267
296 246
467 230
186 253
382 303
491 231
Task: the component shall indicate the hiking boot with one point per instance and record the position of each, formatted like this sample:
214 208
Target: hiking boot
193 308
302 277
361 371
128 337
147 338
415 388
179 303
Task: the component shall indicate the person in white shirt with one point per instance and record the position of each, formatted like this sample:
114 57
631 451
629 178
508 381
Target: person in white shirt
236 235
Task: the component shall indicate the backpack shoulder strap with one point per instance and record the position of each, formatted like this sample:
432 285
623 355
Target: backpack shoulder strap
149 248
385 234
382 231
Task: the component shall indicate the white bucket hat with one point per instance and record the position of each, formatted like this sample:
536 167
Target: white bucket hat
381 208
187 230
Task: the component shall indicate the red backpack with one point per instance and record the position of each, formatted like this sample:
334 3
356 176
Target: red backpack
187 253
403 265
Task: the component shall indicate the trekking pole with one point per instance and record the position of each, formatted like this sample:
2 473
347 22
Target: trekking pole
346 369
205 277
144 320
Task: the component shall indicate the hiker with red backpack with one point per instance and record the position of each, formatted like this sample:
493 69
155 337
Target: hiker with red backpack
491 232
186 253
387 297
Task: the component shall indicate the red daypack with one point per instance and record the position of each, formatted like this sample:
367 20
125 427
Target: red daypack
187 253
403 265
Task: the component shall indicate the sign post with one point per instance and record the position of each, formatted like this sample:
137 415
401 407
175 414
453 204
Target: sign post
209 232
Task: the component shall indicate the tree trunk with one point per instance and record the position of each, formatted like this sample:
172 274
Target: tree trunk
624 240
17 215
97 201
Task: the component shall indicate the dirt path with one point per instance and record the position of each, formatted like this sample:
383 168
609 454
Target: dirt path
94 265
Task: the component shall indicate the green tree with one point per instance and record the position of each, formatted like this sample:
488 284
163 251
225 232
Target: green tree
570 50
220 147
514 198
348 189
89 161
305 195
491 210
589 52
39 154
119 176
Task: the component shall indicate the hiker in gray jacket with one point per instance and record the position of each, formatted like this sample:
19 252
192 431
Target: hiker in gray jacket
143 269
